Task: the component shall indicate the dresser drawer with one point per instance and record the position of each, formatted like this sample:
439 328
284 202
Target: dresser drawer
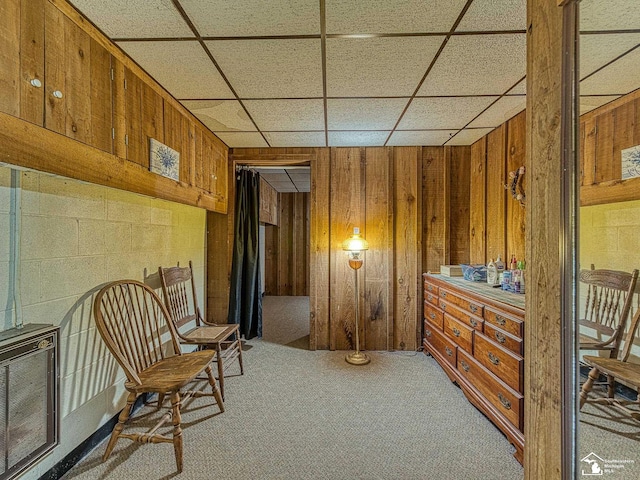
461 315
459 333
441 344
463 303
430 288
508 323
432 298
433 314
505 364
507 401
505 339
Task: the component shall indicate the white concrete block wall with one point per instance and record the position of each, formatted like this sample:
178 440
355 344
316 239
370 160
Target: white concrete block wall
75 237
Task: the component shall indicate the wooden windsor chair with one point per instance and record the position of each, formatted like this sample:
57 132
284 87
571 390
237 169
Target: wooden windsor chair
132 320
179 292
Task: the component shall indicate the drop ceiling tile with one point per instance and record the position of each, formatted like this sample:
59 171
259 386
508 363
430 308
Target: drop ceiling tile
487 15
242 139
183 68
609 15
374 67
135 18
420 137
622 76
442 113
275 177
221 115
399 16
364 113
478 65
598 50
589 103
254 17
266 171
295 139
469 136
357 139
500 112
520 88
287 115
271 68
303 176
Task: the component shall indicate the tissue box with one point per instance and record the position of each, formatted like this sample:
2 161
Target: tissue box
474 273
451 270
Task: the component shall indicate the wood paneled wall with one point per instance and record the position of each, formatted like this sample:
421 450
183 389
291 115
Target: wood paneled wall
287 247
268 203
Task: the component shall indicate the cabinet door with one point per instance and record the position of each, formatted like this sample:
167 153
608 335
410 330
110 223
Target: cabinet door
218 175
133 119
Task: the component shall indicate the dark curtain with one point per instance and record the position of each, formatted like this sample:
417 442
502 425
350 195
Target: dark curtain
245 301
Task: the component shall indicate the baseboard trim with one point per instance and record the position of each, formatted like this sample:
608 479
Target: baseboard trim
86 447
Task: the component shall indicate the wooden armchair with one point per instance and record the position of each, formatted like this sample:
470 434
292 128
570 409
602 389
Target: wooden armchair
609 301
224 338
132 320
620 368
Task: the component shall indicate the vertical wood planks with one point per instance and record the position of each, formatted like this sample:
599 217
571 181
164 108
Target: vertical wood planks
55 64
153 125
434 206
516 157
133 117
10 57
376 274
496 194
285 245
101 98
77 82
477 202
217 283
460 171
604 147
407 268
320 250
119 109
31 59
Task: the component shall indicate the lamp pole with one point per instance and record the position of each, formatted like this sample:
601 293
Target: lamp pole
357 357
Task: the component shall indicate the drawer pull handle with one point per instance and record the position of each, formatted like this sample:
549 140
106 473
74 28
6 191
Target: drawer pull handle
427 333
443 306
493 359
473 308
444 294
430 288
456 332
501 320
473 323
501 338
448 350
430 297
464 366
432 315
505 403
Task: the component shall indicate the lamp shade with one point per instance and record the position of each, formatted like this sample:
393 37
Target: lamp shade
355 243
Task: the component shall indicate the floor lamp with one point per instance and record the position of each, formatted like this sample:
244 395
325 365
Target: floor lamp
355 245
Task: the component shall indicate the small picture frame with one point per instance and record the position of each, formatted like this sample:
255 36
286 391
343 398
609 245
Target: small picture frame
164 160
631 162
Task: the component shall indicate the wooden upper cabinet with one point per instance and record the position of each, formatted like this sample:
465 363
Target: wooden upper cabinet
22 59
77 86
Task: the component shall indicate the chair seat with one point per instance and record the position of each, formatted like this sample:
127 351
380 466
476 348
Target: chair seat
173 373
210 334
611 366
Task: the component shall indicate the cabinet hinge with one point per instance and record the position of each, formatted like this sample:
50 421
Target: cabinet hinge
113 76
125 83
126 140
113 133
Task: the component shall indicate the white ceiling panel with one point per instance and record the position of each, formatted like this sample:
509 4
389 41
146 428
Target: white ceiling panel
242 139
374 67
442 113
500 112
271 68
609 15
589 103
269 171
183 68
254 17
221 115
598 50
295 139
135 18
364 113
618 78
520 88
486 15
283 115
397 16
478 65
420 137
357 139
469 136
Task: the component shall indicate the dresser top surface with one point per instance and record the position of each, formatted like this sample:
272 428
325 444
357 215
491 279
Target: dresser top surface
481 289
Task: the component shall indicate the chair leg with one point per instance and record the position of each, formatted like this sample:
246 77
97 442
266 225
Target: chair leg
240 357
160 400
177 429
611 386
220 369
214 388
122 419
594 373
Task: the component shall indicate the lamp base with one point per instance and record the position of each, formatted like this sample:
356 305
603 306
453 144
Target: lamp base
357 358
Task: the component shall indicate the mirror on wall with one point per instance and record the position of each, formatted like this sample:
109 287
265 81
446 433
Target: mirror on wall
608 440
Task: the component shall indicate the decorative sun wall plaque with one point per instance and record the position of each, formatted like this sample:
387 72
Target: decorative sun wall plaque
631 162
164 160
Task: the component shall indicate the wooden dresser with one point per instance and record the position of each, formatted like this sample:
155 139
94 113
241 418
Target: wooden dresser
475 333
